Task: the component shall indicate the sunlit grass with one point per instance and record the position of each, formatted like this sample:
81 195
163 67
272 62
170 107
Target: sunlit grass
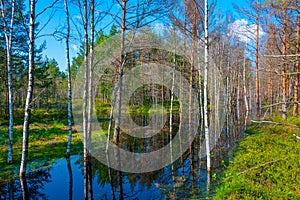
265 165
48 136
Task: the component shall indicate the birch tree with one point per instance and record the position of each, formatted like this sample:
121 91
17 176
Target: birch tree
120 71
86 60
28 103
8 34
85 90
91 72
257 94
138 12
69 80
206 65
283 67
245 91
31 66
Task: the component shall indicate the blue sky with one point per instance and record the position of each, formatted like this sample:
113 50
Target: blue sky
56 49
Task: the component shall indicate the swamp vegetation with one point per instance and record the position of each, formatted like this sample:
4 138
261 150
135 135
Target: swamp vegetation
265 164
201 88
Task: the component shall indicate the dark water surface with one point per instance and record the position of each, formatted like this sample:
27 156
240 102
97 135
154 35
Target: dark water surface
74 178
65 179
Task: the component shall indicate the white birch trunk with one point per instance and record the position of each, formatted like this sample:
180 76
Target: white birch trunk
24 188
86 66
200 101
119 90
69 81
228 100
206 60
8 32
245 92
283 68
29 90
257 62
111 114
91 72
171 120
171 107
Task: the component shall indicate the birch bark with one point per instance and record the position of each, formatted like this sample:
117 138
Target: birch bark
8 33
69 81
206 65
29 90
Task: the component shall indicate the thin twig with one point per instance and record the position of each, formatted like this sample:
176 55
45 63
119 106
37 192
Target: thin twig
37 97
257 167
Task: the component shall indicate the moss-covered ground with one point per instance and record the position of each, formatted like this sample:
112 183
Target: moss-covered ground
48 136
266 163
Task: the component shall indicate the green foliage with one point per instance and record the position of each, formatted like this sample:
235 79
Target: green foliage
49 116
46 116
265 165
100 37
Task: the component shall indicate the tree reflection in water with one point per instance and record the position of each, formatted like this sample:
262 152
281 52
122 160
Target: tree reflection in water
65 178
70 179
29 187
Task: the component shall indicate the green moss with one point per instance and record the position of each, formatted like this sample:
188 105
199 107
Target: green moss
265 165
46 116
46 142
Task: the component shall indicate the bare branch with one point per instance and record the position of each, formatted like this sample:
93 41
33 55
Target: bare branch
41 92
257 167
46 23
46 8
25 25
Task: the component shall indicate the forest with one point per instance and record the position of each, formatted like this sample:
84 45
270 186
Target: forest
155 99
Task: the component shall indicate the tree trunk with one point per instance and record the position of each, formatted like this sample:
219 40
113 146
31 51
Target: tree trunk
120 185
181 127
171 108
206 61
283 68
245 92
191 131
8 33
70 179
24 188
90 178
120 71
85 179
257 64
29 90
296 79
69 81
228 99
86 69
200 100
238 97
91 72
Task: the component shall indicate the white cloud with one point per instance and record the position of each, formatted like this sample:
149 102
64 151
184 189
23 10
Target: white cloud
243 31
74 47
77 17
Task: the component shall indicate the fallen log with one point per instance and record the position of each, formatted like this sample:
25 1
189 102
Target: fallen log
276 123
